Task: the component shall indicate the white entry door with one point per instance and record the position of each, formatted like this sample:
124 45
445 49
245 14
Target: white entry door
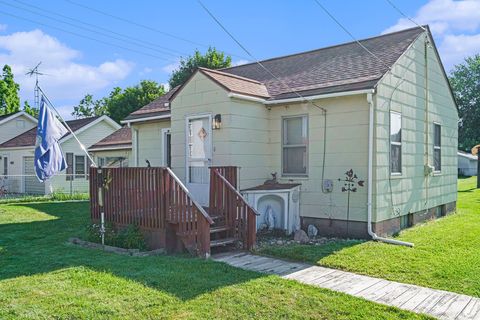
199 156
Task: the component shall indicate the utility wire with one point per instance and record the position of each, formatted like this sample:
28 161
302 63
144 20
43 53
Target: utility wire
146 27
83 36
281 81
254 58
403 14
94 31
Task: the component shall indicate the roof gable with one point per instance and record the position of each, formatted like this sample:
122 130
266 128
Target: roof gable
340 68
27 139
8 117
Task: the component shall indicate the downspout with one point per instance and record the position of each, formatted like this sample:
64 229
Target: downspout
370 179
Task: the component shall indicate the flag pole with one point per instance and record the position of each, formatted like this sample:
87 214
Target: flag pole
67 126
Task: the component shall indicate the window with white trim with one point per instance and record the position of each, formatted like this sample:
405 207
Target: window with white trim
79 166
395 143
294 146
437 147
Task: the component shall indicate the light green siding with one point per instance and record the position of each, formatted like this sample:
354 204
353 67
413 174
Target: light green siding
243 139
147 143
407 192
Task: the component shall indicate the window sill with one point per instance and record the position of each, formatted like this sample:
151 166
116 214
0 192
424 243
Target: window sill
294 177
396 175
437 173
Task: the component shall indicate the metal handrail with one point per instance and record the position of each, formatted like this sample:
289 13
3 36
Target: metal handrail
184 188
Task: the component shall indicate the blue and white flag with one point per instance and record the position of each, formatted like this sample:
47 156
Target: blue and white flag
49 157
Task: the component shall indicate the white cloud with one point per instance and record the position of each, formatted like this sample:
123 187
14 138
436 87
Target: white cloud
454 24
65 77
3 27
145 71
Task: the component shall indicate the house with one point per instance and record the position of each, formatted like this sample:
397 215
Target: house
20 151
368 138
467 164
114 150
150 126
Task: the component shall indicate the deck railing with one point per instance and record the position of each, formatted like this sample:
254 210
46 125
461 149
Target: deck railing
153 199
191 220
226 201
131 196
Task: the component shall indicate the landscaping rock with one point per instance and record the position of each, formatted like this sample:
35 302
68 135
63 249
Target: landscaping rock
301 236
312 231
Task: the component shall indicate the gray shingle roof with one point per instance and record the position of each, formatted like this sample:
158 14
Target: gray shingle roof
339 68
120 139
343 67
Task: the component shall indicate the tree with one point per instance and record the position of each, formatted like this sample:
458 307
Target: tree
465 82
120 102
30 110
87 107
9 99
212 59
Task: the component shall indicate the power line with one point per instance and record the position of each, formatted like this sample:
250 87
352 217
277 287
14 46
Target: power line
83 36
253 57
281 81
350 34
140 25
134 41
403 14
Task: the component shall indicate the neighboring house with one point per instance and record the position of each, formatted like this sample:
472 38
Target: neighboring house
377 122
74 179
467 164
114 150
12 125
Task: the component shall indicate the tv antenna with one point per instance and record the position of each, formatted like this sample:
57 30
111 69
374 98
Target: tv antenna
34 72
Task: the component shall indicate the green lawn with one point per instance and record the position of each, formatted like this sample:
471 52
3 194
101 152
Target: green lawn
43 277
446 253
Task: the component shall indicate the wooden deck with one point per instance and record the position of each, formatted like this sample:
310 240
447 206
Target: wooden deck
436 303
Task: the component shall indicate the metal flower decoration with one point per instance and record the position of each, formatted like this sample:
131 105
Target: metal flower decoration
350 184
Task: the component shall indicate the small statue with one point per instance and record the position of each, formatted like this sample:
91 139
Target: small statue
273 180
269 218
148 163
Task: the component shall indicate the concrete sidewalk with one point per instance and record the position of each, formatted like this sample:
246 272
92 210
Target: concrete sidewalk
436 303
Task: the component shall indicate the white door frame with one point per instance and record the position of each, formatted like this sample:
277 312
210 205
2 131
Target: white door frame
164 133
209 160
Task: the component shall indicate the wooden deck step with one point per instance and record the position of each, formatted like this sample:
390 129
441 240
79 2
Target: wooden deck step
219 229
222 242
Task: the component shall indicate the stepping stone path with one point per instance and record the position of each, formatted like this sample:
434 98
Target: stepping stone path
436 303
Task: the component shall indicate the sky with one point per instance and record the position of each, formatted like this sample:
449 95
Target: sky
88 46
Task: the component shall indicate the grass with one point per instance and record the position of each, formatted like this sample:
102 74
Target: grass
446 253
43 277
55 196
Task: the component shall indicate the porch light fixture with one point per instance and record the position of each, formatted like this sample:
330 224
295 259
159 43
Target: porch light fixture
217 121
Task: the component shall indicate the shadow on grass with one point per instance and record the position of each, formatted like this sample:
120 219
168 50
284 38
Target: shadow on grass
40 247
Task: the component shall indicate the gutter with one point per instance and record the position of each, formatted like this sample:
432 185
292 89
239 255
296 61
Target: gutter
294 100
370 179
320 96
166 116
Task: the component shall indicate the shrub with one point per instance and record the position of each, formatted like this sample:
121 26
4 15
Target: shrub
128 238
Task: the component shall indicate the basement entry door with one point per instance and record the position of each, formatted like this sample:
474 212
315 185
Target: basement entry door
199 156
